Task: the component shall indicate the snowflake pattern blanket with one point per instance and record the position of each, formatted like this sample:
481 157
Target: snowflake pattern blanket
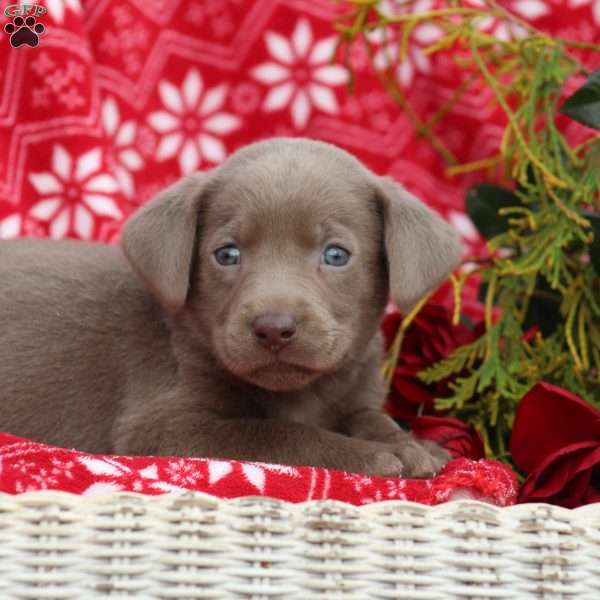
105 102
29 466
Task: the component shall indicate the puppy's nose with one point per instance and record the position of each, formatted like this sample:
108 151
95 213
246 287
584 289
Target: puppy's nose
274 330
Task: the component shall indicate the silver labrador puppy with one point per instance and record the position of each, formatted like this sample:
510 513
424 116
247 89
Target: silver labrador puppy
239 320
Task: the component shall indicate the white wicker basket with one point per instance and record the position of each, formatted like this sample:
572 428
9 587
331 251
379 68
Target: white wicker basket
56 545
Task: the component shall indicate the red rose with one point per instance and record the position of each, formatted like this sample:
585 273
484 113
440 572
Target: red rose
556 441
459 438
430 338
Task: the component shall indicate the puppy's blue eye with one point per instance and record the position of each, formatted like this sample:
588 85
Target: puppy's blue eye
228 255
335 256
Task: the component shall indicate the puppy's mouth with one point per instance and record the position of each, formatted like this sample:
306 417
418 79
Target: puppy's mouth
293 368
281 376
274 374
279 365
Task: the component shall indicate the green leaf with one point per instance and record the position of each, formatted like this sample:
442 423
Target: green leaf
584 105
455 362
543 309
482 292
595 246
482 205
530 180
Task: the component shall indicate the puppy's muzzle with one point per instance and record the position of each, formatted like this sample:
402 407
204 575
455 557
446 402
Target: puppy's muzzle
274 330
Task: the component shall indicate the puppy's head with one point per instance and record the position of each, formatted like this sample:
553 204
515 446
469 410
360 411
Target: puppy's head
283 257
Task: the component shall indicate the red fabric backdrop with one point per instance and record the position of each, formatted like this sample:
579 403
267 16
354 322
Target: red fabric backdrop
123 96
120 98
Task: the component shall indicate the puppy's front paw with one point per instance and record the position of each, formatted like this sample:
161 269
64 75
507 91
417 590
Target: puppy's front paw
421 458
437 452
383 464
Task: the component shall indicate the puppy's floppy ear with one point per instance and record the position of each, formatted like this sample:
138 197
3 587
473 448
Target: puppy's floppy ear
422 249
159 240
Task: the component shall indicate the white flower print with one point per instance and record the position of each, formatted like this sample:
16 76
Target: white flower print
62 467
57 8
359 482
595 5
278 469
191 121
21 488
254 473
43 479
73 193
123 134
183 472
502 29
395 488
104 466
23 466
217 469
530 9
102 487
10 227
422 36
300 74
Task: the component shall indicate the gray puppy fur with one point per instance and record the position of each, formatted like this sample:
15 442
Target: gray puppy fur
160 348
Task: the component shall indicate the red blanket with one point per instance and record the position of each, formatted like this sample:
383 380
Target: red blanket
105 102
28 466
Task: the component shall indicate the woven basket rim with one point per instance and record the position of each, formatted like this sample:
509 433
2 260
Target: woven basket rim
63 497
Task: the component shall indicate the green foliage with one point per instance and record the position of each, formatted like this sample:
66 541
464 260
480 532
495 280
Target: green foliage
595 246
543 310
483 203
584 104
540 281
